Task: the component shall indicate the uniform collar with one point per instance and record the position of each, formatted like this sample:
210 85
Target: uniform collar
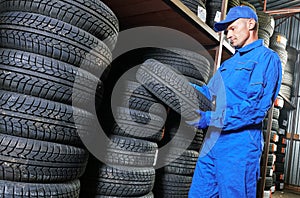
250 46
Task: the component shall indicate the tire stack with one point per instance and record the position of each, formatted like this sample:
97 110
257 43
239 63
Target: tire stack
194 5
288 74
174 179
233 3
43 45
245 3
269 183
280 154
278 43
213 8
266 27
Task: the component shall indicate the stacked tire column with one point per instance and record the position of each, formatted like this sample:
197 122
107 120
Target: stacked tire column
270 176
44 45
166 75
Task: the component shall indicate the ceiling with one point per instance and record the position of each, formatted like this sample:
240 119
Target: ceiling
277 7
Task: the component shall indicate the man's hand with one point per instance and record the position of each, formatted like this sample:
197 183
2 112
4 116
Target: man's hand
202 90
203 122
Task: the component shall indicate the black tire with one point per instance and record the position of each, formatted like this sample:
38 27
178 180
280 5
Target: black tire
288 79
279 167
276 113
278 41
274 125
149 195
266 22
245 3
100 179
180 162
53 38
171 185
289 67
40 119
187 63
131 152
268 183
280 158
137 124
263 34
43 77
68 189
135 96
271 159
27 160
92 16
173 89
286 91
185 137
292 54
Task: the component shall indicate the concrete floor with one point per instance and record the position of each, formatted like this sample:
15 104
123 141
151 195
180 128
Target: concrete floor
286 194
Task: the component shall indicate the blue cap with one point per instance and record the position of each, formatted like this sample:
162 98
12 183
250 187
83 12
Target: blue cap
235 13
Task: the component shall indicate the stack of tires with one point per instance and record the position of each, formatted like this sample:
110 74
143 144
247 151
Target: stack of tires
288 73
278 43
194 5
233 3
133 113
245 3
47 49
269 183
213 8
281 151
266 27
182 142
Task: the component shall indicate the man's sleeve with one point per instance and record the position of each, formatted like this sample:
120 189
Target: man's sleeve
262 91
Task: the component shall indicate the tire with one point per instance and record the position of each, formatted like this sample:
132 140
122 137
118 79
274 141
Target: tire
292 54
187 63
245 3
47 78
280 158
53 38
183 164
172 89
149 195
290 67
288 79
26 160
266 22
137 124
279 167
286 91
183 137
40 119
101 179
171 185
276 113
131 152
68 189
263 34
268 183
92 16
278 40
135 96
271 159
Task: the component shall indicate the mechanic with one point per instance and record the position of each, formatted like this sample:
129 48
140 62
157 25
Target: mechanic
245 86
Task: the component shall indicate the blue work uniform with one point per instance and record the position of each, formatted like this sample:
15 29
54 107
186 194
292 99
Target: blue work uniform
245 86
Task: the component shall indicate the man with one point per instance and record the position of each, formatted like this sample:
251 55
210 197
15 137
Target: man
245 87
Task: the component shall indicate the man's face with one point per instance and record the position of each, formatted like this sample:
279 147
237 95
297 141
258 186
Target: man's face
238 32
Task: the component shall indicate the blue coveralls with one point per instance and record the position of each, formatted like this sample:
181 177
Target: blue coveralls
229 162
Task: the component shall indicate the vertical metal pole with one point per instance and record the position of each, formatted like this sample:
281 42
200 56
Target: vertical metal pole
265 5
218 56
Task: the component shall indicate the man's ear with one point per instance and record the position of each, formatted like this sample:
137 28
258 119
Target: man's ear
251 24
